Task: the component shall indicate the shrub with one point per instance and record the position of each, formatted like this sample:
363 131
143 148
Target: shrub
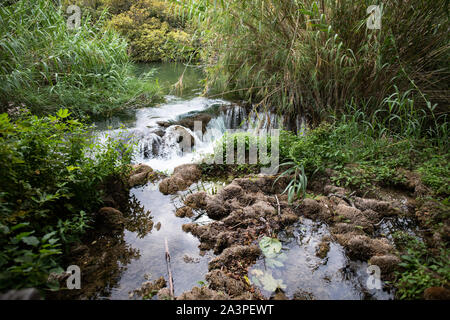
420 269
154 31
50 180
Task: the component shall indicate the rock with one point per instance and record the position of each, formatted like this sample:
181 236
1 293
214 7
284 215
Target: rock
196 200
188 259
189 227
279 295
323 248
110 217
203 293
342 228
384 208
189 122
164 294
236 253
23 294
140 175
288 218
245 296
215 208
355 216
265 184
219 281
263 208
387 263
172 185
413 183
150 288
159 132
231 191
189 172
372 216
108 201
359 247
330 189
309 207
182 177
436 293
184 212
164 124
362 247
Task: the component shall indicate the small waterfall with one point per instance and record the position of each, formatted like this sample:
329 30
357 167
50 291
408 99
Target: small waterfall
161 146
149 145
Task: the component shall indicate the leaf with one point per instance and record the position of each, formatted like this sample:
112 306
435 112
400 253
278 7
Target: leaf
63 113
4 229
32 241
48 236
270 283
20 225
270 246
256 281
273 263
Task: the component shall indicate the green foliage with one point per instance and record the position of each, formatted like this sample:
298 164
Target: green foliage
49 186
270 246
365 151
421 270
274 258
155 32
46 66
314 57
436 172
297 186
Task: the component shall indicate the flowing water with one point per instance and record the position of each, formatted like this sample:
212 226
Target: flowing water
303 273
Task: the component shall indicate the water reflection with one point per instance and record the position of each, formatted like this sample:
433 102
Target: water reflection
307 276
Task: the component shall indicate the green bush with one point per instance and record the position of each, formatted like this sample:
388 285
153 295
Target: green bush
155 32
46 66
436 173
364 151
420 269
50 179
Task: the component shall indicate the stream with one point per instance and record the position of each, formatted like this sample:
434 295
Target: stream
303 273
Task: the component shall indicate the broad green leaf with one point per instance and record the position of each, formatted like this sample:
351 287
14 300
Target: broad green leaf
32 241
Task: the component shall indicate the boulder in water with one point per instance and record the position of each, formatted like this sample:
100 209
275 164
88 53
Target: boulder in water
181 135
189 122
183 176
140 175
110 217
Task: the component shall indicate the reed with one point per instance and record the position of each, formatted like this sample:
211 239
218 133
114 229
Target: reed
314 57
45 66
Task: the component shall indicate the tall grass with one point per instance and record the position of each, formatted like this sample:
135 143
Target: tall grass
313 57
45 66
